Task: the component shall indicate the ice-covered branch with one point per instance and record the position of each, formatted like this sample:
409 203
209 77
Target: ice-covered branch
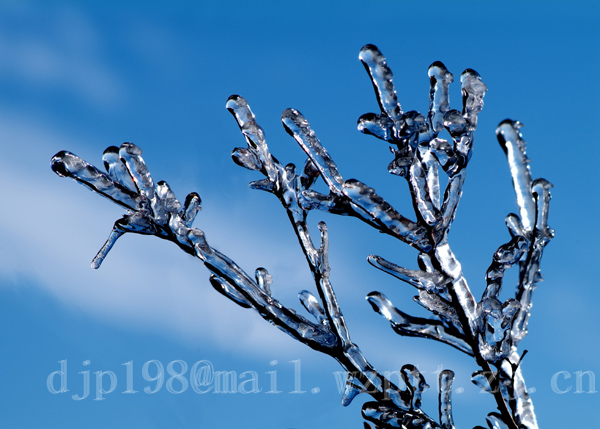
533 199
411 326
157 212
362 377
488 330
349 197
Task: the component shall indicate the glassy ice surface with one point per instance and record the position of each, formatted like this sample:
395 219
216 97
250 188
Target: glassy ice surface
489 330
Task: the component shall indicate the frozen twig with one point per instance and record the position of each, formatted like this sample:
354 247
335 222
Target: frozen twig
488 330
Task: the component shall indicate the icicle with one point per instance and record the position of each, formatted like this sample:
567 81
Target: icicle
439 102
431 282
404 324
108 245
167 198
495 421
415 382
438 306
246 158
299 128
506 256
67 164
132 156
191 207
540 189
351 389
512 143
382 78
116 169
422 199
482 379
226 289
445 399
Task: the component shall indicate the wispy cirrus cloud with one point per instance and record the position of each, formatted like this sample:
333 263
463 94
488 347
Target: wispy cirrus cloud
62 50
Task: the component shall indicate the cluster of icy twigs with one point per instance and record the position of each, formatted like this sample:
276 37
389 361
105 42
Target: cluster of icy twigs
488 330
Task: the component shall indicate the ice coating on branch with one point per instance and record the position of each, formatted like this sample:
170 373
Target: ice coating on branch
429 281
495 322
419 180
384 415
131 155
514 225
382 78
540 188
533 199
67 164
299 128
510 138
226 289
116 168
415 385
439 101
483 380
191 207
351 390
166 218
297 198
312 305
488 330
495 421
505 257
167 198
264 279
512 385
439 306
445 398
473 91
367 199
407 325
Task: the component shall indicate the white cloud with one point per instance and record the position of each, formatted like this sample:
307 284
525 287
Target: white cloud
63 52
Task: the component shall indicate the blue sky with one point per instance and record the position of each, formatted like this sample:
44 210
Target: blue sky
83 76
